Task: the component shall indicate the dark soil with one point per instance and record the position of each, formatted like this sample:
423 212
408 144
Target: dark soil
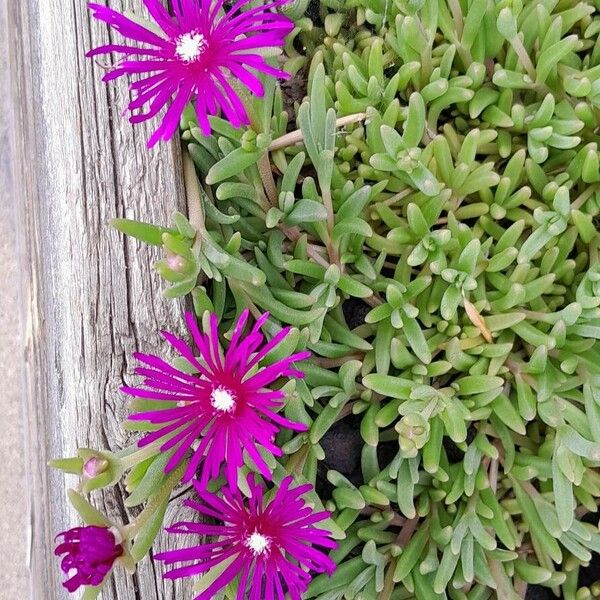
342 445
386 452
355 311
538 592
390 71
313 12
294 90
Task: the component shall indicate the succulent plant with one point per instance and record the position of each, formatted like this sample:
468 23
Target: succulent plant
426 220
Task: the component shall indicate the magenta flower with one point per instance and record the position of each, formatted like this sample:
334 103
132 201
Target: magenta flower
270 545
90 552
200 52
226 405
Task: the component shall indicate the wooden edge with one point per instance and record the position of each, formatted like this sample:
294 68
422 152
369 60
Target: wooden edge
79 277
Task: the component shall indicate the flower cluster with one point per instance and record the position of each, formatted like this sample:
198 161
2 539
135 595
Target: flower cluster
220 412
193 55
206 421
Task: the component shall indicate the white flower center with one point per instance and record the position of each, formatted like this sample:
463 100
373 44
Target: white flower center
190 46
222 399
258 543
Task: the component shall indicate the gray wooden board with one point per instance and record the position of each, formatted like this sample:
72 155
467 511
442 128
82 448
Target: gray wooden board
13 512
90 296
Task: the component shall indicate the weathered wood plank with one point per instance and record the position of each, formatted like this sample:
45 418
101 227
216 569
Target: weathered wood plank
91 296
13 523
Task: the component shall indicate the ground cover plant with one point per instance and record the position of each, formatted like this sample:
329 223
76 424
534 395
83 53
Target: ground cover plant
416 206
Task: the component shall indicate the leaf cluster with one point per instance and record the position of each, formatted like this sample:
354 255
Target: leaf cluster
426 220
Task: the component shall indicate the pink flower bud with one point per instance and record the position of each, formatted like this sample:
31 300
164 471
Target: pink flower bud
176 262
95 466
88 554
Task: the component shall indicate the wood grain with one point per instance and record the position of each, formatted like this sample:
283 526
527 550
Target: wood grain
90 296
14 581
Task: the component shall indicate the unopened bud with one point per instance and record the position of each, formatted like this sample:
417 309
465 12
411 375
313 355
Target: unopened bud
95 466
176 263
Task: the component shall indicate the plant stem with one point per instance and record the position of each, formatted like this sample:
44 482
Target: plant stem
155 503
295 464
130 460
328 202
264 168
521 52
293 234
594 251
334 256
457 16
493 474
388 586
194 200
396 520
295 137
407 531
583 197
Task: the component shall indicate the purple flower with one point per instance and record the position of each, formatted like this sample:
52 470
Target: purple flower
225 406
194 53
270 545
90 552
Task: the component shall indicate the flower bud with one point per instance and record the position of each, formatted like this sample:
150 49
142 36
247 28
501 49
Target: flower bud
176 263
94 466
99 469
88 554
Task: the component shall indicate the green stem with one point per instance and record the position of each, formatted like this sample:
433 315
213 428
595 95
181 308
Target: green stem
584 196
334 257
266 175
521 52
131 460
194 200
328 202
296 462
457 16
594 255
155 503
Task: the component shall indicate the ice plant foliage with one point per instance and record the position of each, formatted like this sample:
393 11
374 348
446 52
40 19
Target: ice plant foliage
201 52
225 408
423 208
88 554
270 545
